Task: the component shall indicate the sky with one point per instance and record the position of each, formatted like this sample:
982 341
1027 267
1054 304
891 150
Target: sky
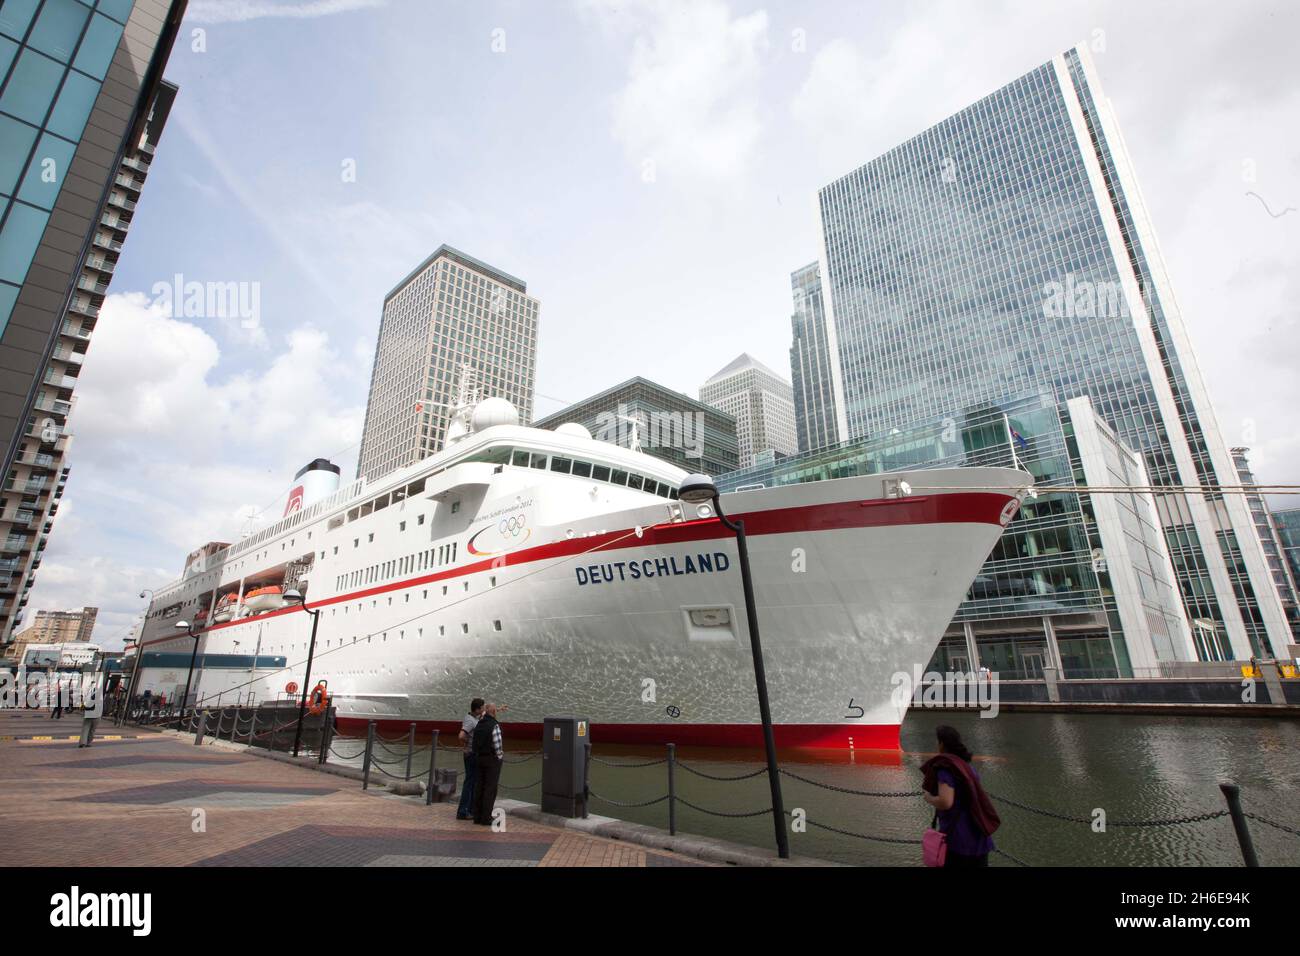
649 168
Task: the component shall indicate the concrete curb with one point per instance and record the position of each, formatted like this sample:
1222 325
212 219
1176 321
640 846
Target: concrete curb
702 848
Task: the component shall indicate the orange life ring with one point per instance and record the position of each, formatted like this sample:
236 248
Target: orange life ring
318 700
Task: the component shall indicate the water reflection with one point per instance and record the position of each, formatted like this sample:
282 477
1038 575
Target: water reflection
1132 767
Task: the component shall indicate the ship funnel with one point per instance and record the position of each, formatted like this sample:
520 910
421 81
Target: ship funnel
314 482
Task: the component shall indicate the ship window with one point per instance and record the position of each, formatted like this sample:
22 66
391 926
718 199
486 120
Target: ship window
536 460
401 526
636 481
420 520
335 522
415 487
600 472
455 506
672 493
562 465
582 469
353 514
652 486
368 507
618 477
496 625
380 502
371 537
520 458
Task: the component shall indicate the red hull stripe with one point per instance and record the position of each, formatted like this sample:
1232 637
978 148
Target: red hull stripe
821 736
967 507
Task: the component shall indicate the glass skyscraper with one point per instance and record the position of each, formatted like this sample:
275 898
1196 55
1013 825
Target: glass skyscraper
810 363
1008 249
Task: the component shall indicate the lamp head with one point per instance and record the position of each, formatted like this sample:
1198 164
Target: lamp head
697 489
182 625
292 595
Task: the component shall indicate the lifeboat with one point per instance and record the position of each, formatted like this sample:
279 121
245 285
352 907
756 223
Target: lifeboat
225 608
264 599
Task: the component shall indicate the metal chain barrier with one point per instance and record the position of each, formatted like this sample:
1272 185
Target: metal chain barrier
1169 822
526 786
524 758
718 813
1272 823
708 776
629 766
859 793
860 836
617 803
1013 859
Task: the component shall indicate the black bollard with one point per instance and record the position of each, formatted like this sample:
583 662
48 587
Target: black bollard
327 735
410 749
672 789
1232 793
433 770
370 746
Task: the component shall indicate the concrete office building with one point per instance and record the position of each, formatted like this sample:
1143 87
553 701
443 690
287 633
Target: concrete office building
1269 541
452 311
668 425
81 102
55 627
810 363
1008 248
761 402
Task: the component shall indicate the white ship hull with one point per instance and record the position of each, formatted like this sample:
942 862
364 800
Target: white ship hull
588 616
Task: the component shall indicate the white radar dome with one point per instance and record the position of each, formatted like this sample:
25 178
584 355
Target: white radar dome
494 411
573 429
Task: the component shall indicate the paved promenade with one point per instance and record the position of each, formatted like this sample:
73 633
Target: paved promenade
154 799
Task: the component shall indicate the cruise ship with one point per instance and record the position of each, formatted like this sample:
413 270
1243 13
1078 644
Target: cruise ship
560 574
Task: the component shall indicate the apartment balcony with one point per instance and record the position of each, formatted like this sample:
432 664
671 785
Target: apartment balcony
97 286
101 263
76 331
51 406
129 181
68 355
122 202
107 242
130 162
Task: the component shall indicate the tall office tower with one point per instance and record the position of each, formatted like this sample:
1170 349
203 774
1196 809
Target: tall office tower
1269 540
815 420
1009 248
1286 523
79 81
452 311
664 423
761 402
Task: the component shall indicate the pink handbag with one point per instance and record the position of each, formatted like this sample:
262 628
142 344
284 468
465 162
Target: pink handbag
934 845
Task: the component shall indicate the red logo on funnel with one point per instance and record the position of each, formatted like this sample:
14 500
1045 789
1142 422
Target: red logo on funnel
295 501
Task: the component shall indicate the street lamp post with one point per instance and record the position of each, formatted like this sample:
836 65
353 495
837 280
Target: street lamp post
139 649
311 652
698 489
193 655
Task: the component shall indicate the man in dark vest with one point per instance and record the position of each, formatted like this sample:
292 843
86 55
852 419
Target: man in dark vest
489 754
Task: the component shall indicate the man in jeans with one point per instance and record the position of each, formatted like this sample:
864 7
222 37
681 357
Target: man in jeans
465 810
489 754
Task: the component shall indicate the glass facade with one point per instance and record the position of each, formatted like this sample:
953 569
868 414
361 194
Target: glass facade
54 55
980 259
810 363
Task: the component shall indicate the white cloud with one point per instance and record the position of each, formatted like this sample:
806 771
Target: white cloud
691 103
171 450
239 11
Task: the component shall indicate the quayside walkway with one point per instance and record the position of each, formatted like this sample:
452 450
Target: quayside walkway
154 799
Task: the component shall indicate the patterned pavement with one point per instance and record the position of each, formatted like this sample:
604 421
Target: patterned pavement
157 800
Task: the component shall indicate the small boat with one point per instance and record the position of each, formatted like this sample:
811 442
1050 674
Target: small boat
264 599
225 608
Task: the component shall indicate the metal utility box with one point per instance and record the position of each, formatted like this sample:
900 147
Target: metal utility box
566 743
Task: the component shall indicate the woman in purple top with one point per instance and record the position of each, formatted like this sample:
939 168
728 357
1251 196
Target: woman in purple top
951 796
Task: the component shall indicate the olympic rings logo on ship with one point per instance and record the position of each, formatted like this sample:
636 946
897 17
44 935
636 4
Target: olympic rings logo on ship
513 529
512 526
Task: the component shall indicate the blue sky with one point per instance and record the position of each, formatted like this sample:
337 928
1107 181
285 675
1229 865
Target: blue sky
649 168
